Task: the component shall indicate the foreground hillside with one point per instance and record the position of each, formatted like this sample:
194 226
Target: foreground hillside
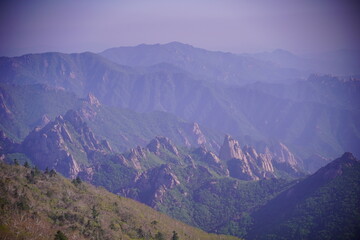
36 205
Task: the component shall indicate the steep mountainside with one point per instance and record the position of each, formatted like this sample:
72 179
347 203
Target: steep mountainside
161 172
322 206
37 205
65 144
125 128
308 125
21 112
24 107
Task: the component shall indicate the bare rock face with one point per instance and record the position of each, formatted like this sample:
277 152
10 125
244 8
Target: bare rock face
153 184
65 144
242 164
193 136
283 155
230 149
212 160
282 158
92 100
164 143
135 156
248 164
5 112
199 136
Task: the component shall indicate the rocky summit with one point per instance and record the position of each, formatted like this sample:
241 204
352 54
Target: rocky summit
247 164
65 144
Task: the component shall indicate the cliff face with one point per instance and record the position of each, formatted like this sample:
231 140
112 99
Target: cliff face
193 136
164 143
153 185
247 164
65 144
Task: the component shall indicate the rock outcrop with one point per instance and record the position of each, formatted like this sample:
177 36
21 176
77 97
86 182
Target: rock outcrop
153 185
282 158
65 144
212 161
162 143
5 112
230 149
248 164
136 155
92 100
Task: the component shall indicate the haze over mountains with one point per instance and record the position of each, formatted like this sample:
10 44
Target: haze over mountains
179 128
293 112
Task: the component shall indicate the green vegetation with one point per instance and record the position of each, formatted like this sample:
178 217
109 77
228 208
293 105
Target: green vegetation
60 236
315 208
221 205
26 110
35 205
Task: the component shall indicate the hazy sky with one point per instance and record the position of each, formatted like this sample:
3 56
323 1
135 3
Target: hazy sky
300 26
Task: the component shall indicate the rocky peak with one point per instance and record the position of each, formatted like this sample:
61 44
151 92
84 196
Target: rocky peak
45 119
135 155
212 160
159 143
199 136
282 158
249 150
230 149
348 157
283 154
75 119
155 183
65 144
248 164
92 100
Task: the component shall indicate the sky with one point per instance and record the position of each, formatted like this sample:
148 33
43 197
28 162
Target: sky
238 26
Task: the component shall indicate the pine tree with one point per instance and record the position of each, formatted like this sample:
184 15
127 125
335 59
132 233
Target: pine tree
60 236
26 164
159 236
52 173
175 236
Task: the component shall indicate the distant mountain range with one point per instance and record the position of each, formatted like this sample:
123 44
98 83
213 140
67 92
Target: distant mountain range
341 62
295 113
148 123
